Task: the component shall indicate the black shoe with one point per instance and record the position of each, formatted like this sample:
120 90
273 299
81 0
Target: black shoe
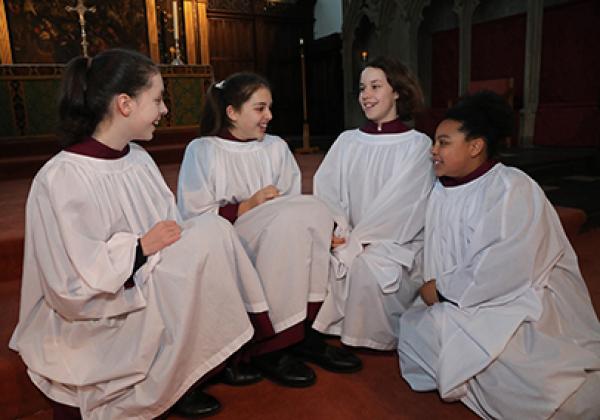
335 359
285 369
240 374
196 403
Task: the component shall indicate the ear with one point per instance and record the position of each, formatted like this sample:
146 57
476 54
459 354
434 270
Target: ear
124 104
477 146
231 113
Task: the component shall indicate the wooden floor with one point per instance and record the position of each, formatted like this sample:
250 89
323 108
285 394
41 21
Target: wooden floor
377 392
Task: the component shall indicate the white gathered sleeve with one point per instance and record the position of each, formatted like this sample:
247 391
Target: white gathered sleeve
328 185
288 178
510 251
70 228
196 186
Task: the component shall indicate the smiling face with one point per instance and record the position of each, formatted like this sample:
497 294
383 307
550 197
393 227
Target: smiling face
251 120
377 97
453 154
148 109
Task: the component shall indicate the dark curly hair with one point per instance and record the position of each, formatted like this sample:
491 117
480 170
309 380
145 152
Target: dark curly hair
483 114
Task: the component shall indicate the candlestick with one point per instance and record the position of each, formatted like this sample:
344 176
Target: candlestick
175 20
306 147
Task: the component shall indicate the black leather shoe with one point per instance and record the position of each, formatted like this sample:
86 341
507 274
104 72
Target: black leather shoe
196 403
240 374
335 359
285 369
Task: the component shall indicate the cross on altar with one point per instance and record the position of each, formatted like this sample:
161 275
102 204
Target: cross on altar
81 10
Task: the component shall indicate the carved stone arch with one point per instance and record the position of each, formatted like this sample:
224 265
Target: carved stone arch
357 12
387 11
403 34
353 17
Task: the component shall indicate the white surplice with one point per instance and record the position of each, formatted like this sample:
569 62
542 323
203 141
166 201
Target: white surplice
118 352
377 186
523 337
286 238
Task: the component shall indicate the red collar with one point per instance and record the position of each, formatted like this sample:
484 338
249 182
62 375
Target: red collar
391 127
89 146
481 170
226 134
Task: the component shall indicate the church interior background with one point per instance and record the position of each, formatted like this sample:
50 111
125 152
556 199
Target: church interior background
541 54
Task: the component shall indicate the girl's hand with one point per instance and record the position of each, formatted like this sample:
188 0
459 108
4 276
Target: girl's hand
429 293
265 194
336 241
160 236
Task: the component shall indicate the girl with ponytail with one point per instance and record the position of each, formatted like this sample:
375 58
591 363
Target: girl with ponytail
112 278
251 178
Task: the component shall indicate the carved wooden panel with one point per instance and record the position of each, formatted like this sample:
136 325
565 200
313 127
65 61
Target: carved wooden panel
278 58
231 45
231 5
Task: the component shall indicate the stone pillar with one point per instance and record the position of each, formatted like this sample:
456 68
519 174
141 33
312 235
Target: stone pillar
464 9
413 17
533 61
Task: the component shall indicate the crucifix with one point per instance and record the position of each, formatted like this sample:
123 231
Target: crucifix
81 10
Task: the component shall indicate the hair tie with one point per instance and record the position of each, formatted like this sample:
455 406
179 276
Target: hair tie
220 85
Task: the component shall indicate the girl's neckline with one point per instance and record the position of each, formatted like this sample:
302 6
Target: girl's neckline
226 134
478 172
391 127
91 147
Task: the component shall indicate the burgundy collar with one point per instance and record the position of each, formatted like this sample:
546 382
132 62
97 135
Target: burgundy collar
481 170
91 147
391 127
226 134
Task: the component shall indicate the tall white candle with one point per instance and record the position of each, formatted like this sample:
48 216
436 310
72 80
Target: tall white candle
175 20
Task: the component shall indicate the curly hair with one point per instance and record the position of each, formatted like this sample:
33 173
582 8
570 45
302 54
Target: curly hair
483 114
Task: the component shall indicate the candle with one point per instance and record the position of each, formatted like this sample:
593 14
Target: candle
175 23
364 55
301 41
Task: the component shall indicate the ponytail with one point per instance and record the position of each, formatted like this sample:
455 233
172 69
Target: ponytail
89 85
234 91
76 120
213 118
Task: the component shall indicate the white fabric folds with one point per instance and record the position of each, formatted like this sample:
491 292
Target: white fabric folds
286 238
377 187
523 336
118 352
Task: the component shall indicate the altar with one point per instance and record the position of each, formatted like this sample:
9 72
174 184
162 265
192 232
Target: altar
29 95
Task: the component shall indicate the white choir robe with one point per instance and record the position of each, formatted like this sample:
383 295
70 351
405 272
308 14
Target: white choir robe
286 238
523 336
118 352
377 186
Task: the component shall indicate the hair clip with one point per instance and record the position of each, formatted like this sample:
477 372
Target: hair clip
220 85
